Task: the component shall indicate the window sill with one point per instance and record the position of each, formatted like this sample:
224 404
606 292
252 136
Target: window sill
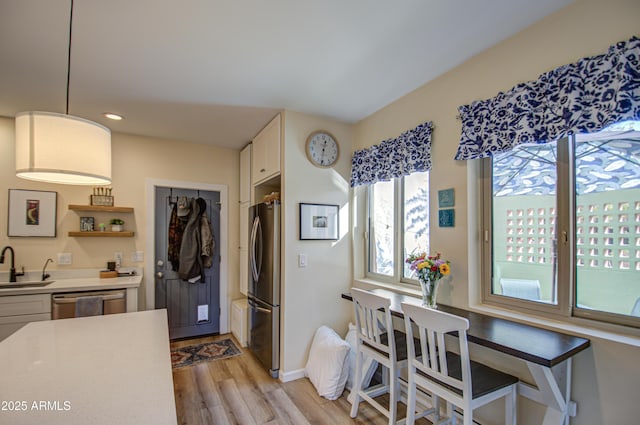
573 326
401 288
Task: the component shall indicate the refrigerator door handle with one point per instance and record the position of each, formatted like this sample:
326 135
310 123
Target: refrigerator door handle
254 306
262 310
259 246
252 251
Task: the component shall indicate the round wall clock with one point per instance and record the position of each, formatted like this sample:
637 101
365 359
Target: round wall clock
322 149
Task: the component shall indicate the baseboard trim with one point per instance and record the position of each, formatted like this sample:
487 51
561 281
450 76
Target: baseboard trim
291 376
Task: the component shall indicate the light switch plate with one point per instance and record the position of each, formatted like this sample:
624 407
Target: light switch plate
137 256
203 313
302 260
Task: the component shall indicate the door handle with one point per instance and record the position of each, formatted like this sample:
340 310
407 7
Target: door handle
262 310
254 306
60 299
259 243
159 275
252 252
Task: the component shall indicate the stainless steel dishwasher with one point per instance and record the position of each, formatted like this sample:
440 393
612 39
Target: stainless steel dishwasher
65 305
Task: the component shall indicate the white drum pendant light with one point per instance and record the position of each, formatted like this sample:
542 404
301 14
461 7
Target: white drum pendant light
60 148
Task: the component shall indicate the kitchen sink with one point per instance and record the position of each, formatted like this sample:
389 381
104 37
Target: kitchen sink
25 284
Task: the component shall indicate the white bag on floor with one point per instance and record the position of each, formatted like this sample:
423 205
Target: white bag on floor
326 368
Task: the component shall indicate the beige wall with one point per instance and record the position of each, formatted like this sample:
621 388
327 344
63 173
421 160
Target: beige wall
586 28
134 159
311 295
606 379
606 376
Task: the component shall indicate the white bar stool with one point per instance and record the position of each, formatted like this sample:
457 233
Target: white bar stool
452 377
376 338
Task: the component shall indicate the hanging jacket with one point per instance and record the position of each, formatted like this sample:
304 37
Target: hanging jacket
176 230
206 236
208 241
191 267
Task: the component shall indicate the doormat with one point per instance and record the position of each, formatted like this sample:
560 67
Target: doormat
194 354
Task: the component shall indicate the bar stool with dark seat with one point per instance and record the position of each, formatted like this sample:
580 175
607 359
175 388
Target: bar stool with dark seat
447 375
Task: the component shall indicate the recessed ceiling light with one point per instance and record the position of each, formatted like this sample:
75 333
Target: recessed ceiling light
112 116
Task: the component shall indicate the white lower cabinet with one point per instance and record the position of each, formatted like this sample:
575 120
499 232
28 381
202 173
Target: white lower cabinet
18 310
239 326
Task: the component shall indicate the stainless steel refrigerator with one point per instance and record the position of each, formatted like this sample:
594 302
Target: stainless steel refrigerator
264 285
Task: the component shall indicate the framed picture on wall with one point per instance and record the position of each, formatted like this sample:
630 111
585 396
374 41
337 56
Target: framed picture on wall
32 213
318 222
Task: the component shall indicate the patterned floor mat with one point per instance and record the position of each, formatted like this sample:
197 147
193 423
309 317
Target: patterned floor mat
194 354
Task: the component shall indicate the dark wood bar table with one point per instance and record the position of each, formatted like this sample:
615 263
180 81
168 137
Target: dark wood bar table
547 353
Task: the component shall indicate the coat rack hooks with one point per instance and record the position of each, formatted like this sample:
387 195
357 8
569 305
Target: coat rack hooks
173 202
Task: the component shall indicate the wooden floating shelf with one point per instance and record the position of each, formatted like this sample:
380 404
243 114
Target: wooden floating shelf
104 234
100 208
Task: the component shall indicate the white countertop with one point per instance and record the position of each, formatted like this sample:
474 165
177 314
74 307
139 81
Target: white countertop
113 369
71 283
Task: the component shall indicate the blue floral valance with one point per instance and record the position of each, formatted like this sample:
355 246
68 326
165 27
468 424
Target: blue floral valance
408 153
582 97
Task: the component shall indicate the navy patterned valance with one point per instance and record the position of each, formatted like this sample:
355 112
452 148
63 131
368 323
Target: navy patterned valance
582 97
408 153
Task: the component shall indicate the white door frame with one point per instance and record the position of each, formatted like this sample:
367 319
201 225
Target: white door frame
149 276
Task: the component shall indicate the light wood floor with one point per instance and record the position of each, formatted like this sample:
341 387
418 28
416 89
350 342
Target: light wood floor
238 390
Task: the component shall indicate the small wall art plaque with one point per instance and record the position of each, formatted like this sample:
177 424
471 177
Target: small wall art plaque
446 218
446 198
87 224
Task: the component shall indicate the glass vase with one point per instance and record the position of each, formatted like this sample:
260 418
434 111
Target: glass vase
429 292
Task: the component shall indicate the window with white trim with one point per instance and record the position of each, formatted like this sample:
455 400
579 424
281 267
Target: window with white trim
398 224
562 227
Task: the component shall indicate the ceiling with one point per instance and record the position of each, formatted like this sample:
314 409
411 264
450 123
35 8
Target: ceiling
216 71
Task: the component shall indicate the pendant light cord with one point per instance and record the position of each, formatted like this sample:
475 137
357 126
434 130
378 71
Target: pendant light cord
69 56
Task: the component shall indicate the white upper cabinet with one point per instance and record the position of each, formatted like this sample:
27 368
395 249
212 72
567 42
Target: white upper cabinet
265 154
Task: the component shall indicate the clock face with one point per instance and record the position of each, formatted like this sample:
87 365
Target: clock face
322 149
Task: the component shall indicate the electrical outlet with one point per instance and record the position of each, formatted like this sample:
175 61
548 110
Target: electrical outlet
64 258
118 257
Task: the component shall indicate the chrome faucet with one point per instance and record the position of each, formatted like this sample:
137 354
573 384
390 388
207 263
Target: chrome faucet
12 270
46 275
